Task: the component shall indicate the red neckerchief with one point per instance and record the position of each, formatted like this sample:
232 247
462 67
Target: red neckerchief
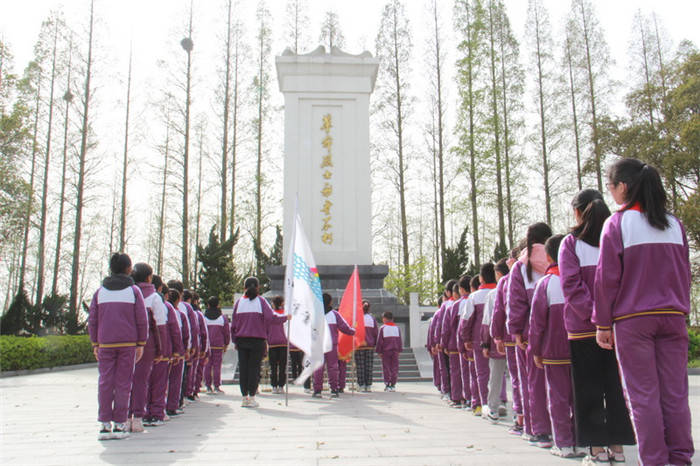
390 324
279 311
451 298
636 206
487 286
552 270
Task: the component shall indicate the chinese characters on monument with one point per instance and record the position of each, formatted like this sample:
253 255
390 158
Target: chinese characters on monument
326 167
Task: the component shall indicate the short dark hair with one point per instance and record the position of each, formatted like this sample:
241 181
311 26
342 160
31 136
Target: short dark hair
141 272
213 302
551 247
502 266
251 285
157 282
474 283
464 281
487 272
186 295
277 302
327 300
177 284
119 263
388 315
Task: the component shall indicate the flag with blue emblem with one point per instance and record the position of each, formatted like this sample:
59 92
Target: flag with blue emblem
308 329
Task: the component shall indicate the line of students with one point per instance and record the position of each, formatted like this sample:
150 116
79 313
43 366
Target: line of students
591 326
154 346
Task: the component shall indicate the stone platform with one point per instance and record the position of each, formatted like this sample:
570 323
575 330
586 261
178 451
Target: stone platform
50 419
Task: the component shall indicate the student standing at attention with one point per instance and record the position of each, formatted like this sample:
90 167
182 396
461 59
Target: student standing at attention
364 355
335 323
118 328
388 348
600 414
219 338
642 298
251 320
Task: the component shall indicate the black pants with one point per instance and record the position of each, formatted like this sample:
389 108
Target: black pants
364 359
278 366
600 412
297 358
183 388
250 355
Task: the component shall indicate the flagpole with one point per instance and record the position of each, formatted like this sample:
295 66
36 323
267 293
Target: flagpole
289 326
286 369
354 323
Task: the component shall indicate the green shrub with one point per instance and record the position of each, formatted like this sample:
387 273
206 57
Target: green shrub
693 343
20 353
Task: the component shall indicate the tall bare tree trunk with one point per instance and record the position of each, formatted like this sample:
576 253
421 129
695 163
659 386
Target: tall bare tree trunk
185 162
45 186
572 92
68 99
543 126
496 131
440 138
125 161
161 220
223 224
234 140
198 215
75 270
506 143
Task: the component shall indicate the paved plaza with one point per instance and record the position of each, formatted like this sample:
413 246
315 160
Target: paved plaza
50 419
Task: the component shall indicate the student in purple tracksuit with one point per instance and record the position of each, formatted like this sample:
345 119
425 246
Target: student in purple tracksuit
335 323
524 275
505 342
176 377
448 340
154 348
251 320
443 359
464 288
219 331
550 348
205 351
471 391
196 346
277 348
600 414
497 398
470 330
430 346
173 349
388 348
364 355
118 328
642 298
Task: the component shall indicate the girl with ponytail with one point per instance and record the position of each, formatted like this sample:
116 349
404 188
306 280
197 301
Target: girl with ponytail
251 320
601 417
642 298
530 267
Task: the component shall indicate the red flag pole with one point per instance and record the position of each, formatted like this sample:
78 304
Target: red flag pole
354 325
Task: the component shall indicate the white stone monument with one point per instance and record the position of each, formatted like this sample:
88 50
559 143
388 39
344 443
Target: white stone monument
326 151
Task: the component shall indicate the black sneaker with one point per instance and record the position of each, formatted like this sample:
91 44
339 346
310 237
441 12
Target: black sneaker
334 394
120 431
191 398
148 421
172 412
342 390
543 441
317 395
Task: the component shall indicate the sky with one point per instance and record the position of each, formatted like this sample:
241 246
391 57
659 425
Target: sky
153 29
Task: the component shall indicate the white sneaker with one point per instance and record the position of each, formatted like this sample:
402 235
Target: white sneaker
563 452
105 431
245 402
136 425
252 403
120 431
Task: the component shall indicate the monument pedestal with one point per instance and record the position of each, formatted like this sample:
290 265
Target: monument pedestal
334 279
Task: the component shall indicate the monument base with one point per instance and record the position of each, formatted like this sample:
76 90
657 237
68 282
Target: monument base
334 279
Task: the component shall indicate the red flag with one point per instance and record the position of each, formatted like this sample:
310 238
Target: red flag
351 310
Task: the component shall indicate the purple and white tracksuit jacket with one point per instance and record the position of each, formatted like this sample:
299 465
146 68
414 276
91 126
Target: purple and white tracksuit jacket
642 291
389 346
335 323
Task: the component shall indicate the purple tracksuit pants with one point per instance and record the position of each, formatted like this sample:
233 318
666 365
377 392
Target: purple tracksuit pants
342 373
116 369
444 372
141 383
158 390
192 376
473 382
481 366
200 375
521 359
537 390
560 401
390 367
175 384
331 365
514 379
652 352
456 392
466 378
436 371
212 370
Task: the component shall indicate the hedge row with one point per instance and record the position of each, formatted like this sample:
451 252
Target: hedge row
22 353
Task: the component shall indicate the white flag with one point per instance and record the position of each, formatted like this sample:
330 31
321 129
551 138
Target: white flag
304 301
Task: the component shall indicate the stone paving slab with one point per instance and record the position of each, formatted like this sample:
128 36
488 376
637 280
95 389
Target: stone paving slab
50 419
